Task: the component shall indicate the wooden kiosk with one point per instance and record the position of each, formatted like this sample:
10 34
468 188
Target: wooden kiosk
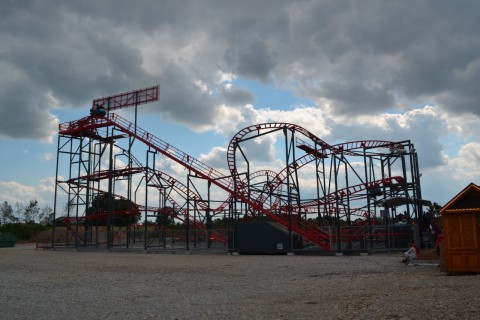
460 220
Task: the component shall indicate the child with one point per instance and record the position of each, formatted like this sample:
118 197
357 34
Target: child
411 254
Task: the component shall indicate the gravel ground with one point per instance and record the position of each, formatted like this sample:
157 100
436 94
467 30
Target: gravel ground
67 284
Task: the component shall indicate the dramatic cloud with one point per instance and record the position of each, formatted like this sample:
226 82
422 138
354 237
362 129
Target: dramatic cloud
369 68
467 164
14 192
362 57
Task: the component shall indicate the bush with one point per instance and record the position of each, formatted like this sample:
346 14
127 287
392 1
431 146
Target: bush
24 231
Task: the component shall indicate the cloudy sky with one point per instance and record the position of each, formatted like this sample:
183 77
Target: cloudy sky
345 70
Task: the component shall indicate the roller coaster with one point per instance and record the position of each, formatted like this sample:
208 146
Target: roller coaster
320 196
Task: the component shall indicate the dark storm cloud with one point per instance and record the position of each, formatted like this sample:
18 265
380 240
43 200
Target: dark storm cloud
423 127
182 101
48 52
235 96
356 97
411 49
364 57
252 61
21 116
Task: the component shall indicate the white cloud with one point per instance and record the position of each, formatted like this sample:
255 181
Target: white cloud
47 156
46 187
373 70
13 192
467 163
216 158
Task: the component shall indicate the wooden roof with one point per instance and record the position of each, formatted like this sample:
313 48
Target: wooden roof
467 200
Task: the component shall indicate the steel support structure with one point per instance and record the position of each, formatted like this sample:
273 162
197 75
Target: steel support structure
314 191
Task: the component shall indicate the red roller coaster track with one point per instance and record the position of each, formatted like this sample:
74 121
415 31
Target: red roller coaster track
202 170
232 184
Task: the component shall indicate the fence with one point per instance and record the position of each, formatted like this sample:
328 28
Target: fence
65 237
347 238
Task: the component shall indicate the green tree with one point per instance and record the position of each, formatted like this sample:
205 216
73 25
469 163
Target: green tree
124 211
19 207
223 222
6 212
436 209
165 217
31 212
46 215
68 208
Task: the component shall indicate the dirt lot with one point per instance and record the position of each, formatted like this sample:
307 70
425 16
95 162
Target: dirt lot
68 284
